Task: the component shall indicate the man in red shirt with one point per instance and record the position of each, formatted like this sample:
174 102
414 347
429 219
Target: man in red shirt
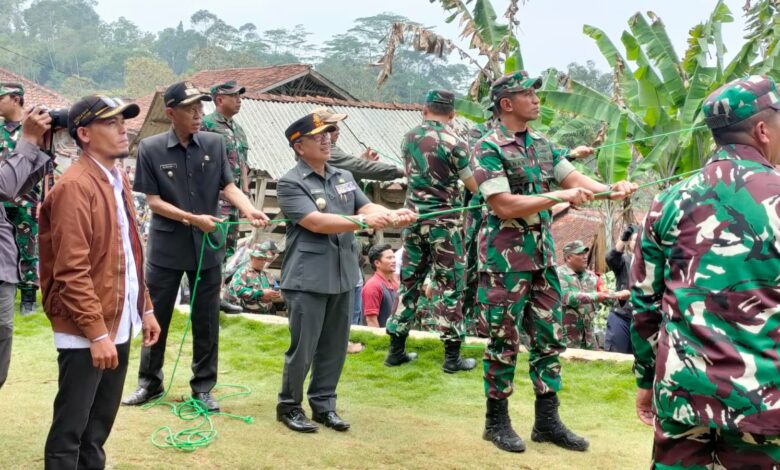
380 293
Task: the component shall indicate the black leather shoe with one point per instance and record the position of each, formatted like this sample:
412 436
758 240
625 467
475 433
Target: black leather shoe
297 421
208 400
331 420
141 396
227 307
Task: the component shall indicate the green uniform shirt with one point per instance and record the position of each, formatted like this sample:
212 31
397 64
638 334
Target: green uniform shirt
434 159
524 165
706 325
236 143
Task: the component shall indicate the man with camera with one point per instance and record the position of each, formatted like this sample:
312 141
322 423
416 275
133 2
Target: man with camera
19 171
618 337
22 210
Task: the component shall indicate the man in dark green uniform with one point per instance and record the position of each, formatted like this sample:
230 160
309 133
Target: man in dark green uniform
706 294
515 167
227 100
436 160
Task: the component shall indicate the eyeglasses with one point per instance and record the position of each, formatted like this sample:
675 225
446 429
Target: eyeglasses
323 138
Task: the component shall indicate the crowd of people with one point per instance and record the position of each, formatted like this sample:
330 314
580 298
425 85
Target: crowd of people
697 305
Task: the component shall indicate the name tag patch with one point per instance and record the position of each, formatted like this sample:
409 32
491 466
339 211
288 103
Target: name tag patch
168 166
346 187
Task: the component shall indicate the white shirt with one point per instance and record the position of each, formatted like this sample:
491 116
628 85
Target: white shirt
399 256
130 322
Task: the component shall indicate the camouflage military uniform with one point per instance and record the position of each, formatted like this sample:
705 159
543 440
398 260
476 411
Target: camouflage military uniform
247 284
236 148
435 159
517 259
22 215
472 222
246 289
579 300
705 326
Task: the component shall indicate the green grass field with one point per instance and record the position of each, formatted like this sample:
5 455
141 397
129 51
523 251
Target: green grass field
413 416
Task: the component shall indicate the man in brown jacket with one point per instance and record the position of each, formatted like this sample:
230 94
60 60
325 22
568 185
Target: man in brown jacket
91 263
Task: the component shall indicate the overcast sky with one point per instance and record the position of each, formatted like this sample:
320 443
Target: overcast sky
550 30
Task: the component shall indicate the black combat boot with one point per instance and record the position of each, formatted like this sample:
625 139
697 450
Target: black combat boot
498 427
397 354
549 428
452 360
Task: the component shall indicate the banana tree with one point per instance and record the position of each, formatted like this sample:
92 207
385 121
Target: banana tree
494 42
656 93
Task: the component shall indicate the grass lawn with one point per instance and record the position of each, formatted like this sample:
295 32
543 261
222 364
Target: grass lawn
413 416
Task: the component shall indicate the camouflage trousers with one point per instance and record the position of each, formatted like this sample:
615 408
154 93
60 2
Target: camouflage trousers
516 301
230 214
439 248
682 446
578 330
26 225
471 226
257 306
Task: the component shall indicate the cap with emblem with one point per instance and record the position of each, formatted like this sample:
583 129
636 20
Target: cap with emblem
740 99
575 247
11 88
94 107
266 249
311 124
328 115
513 83
227 88
441 97
183 93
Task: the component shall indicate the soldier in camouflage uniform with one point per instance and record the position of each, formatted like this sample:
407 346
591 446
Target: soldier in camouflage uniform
706 295
580 296
22 211
251 286
435 160
514 167
227 100
472 223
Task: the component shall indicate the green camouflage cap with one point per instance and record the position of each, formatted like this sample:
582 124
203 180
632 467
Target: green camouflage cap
575 247
7 88
514 82
266 249
739 99
227 88
440 96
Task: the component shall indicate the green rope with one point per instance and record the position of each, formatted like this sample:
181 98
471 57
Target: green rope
190 409
653 183
641 139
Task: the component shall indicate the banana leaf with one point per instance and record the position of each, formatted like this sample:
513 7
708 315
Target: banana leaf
661 52
613 162
471 110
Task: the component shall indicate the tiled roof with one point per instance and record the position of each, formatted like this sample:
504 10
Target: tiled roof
255 79
35 94
145 102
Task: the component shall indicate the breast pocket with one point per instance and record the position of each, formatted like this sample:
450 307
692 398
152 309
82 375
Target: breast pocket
519 178
545 158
